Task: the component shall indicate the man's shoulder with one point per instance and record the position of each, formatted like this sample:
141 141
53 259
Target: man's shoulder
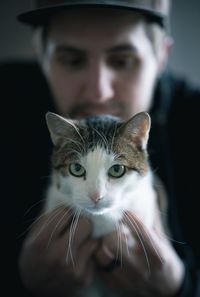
20 72
24 86
17 66
180 98
182 90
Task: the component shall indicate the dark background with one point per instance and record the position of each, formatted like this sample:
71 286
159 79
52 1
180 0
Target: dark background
15 38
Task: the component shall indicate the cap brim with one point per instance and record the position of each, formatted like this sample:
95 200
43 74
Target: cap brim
40 16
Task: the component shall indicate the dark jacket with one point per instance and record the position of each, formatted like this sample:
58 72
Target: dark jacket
173 147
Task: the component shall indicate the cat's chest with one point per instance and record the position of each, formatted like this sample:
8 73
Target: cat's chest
104 224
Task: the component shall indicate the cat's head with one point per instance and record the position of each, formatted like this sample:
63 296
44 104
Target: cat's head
99 161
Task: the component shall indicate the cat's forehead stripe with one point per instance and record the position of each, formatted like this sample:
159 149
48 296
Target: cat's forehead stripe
100 130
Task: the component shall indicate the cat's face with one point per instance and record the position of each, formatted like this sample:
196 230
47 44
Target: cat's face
98 182
99 161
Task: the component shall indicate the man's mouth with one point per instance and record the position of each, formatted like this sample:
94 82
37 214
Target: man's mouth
87 110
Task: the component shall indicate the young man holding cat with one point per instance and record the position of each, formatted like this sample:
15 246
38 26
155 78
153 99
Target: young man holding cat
106 57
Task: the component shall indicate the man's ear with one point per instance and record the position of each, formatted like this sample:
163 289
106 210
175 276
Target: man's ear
39 50
164 53
37 45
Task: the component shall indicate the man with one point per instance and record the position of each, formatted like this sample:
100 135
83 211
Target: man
101 57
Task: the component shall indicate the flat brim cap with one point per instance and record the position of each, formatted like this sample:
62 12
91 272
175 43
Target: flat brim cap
41 10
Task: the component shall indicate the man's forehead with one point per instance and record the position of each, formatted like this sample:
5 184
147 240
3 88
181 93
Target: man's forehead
68 32
121 47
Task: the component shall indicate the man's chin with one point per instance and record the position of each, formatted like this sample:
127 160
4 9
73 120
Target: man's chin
90 113
88 110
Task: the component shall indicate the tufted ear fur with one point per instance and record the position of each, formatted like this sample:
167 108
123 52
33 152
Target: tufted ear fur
136 130
59 127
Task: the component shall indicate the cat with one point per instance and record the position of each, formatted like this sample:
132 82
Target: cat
100 169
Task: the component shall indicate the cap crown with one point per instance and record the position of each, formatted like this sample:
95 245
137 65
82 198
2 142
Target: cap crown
42 9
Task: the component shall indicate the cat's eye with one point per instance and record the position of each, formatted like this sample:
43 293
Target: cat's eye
77 170
117 171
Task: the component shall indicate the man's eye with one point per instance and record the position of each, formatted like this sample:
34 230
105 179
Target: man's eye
121 63
72 62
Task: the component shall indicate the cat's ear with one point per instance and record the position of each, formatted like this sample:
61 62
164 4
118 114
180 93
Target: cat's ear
60 127
137 129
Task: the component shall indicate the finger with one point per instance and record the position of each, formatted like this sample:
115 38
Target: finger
51 222
84 256
107 254
79 231
73 229
147 239
103 255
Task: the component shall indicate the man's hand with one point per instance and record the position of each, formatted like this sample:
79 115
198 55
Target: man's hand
149 265
56 259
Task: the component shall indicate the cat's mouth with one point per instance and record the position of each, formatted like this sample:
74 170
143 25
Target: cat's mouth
96 209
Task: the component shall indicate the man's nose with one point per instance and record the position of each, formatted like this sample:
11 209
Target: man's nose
98 83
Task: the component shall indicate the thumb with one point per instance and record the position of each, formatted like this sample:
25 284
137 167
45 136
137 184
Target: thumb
107 250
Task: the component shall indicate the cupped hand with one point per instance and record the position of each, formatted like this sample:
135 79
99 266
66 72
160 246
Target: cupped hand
56 257
149 265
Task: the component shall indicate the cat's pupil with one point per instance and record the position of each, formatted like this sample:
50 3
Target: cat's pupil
117 171
76 169
116 168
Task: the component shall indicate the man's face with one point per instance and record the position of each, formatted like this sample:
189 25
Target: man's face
99 61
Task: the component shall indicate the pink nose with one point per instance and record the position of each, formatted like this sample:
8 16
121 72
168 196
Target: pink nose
95 197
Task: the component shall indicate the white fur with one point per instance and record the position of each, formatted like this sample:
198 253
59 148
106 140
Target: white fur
130 192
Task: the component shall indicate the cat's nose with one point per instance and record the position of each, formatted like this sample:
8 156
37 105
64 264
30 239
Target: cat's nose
95 197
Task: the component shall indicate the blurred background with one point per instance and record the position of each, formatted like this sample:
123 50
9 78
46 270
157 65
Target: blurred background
15 38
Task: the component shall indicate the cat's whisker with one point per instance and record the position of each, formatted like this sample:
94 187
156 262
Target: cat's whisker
166 235
52 217
137 231
153 245
32 206
126 241
71 236
72 232
56 226
127 247
78 212
119 251
69 250
33 223
121 247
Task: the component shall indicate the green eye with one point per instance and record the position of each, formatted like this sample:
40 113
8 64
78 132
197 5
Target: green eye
77 170
117 171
